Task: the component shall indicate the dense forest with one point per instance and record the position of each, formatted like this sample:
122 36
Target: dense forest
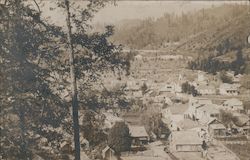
213 65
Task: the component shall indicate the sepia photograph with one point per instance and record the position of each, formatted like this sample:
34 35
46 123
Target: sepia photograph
124 79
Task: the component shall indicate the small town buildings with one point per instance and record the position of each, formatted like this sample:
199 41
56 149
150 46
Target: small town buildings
194 103
162 99
243 123
139 135
133 85
84 143
188 124
173 115
166 88
185 141
170 88
110 120
229 89
233 104
138 57
201 76
108 153
216 129
235 78
66 146
205 113
206 89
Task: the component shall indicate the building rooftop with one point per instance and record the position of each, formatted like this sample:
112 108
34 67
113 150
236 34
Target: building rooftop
186 137
232 102
217 126
138 131
210 108
188 124
178 108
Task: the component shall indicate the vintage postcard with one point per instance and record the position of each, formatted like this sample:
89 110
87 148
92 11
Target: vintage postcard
124 80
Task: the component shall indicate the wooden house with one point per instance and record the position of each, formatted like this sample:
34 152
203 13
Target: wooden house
185 141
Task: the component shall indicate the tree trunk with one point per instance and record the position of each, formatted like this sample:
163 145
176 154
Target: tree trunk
18 53
73 85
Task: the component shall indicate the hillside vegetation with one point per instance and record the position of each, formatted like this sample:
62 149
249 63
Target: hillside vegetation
215 37
202 29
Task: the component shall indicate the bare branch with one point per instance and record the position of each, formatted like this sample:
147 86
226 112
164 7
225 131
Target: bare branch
37 6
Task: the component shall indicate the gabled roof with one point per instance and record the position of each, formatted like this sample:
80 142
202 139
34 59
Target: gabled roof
188 124
209 108
106 149
138 131
206 87
233 101
228 86
186 137
178 109
217 126
213 121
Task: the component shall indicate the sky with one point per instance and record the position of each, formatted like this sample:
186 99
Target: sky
127 10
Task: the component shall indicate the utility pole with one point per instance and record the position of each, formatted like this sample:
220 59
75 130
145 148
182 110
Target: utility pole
73 83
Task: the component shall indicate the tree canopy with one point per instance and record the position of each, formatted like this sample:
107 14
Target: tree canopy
119 138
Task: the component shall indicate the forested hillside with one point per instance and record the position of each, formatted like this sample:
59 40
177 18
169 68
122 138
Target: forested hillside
198 27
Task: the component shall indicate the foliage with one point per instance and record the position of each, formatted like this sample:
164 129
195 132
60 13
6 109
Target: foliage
209 65
238 65
119 137
153 123
227 118
225 78
144 88
34 74
213 65
161 32
92 128
245 81
189 89
29 104
246 105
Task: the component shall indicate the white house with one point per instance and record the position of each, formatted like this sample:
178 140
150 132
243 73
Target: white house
173 115
185 141
139 135
194 103
206 89
206 112
138 57
229 89
233 104
216 129
162 99
167 88
201 76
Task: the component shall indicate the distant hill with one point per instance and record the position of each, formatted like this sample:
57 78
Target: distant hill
203 30
225 37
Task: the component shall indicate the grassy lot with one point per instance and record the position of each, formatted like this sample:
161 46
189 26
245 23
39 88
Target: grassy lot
242 151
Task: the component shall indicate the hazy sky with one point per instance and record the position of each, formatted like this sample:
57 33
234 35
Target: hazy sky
112 14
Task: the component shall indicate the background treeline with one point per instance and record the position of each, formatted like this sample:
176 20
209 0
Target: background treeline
155 33
212 65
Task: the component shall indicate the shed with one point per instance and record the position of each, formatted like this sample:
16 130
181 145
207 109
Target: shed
139 135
